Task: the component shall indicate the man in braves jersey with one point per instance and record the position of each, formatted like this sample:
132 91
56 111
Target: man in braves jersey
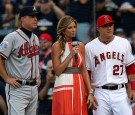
19 60
111 65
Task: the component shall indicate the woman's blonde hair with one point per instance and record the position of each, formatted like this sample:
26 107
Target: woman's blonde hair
61 27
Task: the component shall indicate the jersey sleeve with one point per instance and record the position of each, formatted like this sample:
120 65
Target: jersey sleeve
87 57
129 56
6 46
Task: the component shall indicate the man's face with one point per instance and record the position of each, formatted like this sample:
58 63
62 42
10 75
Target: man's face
106 30
29 22
44 45
45 6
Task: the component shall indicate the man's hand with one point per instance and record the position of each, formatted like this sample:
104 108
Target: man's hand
131 93
38 81
13 82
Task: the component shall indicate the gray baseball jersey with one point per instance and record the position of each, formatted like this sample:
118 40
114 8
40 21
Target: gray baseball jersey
21 54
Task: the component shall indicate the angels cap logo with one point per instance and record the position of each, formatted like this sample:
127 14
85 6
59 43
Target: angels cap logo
106 19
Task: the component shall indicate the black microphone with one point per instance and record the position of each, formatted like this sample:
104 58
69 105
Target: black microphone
75 43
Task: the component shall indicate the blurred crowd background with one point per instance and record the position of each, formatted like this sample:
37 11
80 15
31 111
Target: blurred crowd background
84 11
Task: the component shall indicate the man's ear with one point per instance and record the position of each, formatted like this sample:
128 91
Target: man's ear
22 18
97 28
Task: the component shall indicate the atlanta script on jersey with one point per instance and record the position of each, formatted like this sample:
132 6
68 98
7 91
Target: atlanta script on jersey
21 54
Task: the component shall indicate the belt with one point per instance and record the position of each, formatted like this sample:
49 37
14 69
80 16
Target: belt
71 70
27 82
112 87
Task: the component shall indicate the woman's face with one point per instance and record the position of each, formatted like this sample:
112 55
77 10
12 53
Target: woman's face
70 31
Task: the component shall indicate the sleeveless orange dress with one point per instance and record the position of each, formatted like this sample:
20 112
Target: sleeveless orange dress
69 97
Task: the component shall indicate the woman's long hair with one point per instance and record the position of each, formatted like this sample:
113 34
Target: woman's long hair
61 27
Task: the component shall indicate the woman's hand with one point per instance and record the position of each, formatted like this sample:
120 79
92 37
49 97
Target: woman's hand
92 102
74 50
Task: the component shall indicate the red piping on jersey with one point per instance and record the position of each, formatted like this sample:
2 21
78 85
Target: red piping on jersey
3 55
9 109
35 63
22 36
31 58
130 63
32 64
106 42
31 69
35 68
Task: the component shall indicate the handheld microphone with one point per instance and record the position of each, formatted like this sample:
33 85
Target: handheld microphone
75 43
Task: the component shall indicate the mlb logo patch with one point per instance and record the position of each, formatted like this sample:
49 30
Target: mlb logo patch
3 45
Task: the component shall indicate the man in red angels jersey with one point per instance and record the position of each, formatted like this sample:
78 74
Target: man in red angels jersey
111 65
19 60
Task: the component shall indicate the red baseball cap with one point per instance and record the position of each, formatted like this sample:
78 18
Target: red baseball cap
103 20
46 37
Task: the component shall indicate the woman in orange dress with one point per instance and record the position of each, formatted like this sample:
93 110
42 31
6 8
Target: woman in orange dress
72 79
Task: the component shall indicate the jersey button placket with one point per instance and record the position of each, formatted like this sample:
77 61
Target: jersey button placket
108 64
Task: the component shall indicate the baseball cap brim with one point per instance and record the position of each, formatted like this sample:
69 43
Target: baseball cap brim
39 14
107 23
35 13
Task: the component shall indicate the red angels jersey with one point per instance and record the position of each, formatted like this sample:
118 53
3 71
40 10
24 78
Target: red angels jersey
107 62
